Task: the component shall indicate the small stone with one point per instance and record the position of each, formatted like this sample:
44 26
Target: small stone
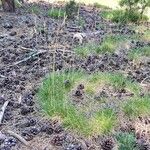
13 33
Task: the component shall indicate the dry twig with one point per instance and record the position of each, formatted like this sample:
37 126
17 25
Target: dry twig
21 139
3 110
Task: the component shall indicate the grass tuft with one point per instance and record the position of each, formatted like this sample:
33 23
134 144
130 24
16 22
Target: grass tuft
103 122
137 106
122 16
53 96
109 45
117 81
126 141
137 53
56 13
54 99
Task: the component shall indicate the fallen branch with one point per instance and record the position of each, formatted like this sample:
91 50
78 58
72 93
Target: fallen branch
21 139
28 58
145 79
3 111
1 76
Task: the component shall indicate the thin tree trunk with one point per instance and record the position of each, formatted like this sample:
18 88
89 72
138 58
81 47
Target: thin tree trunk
8 5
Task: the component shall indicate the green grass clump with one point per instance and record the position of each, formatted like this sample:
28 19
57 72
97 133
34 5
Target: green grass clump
137 53
118 81
121 16
137 106
109 45
126 141
56 90
103 122
53 93
146 36
54 99
56 13
85 50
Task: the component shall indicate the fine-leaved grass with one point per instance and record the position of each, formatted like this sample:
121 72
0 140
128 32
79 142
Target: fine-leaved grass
56 13
126 141
53 96
103 122
109 45
137 106
137 53
116 80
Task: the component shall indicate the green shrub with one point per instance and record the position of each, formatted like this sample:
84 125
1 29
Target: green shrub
135 9
121 16
71 9
126 141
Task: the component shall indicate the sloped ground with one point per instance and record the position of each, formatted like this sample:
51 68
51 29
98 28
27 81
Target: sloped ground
29 44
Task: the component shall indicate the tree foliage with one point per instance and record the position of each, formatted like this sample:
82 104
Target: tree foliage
138 6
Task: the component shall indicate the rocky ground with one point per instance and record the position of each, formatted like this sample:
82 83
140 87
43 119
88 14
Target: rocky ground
29 44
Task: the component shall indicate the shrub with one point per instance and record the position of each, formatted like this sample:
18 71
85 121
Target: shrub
121 16
135 7
71 9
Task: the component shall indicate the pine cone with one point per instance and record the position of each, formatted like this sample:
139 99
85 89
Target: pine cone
57 140
108 144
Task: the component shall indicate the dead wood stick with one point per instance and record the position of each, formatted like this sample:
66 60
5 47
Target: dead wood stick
1 76
3 110
27 58
21 139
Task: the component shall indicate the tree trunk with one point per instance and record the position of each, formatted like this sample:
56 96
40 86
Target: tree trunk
8 5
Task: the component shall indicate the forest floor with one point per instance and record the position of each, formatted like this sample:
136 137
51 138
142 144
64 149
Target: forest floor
31 42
